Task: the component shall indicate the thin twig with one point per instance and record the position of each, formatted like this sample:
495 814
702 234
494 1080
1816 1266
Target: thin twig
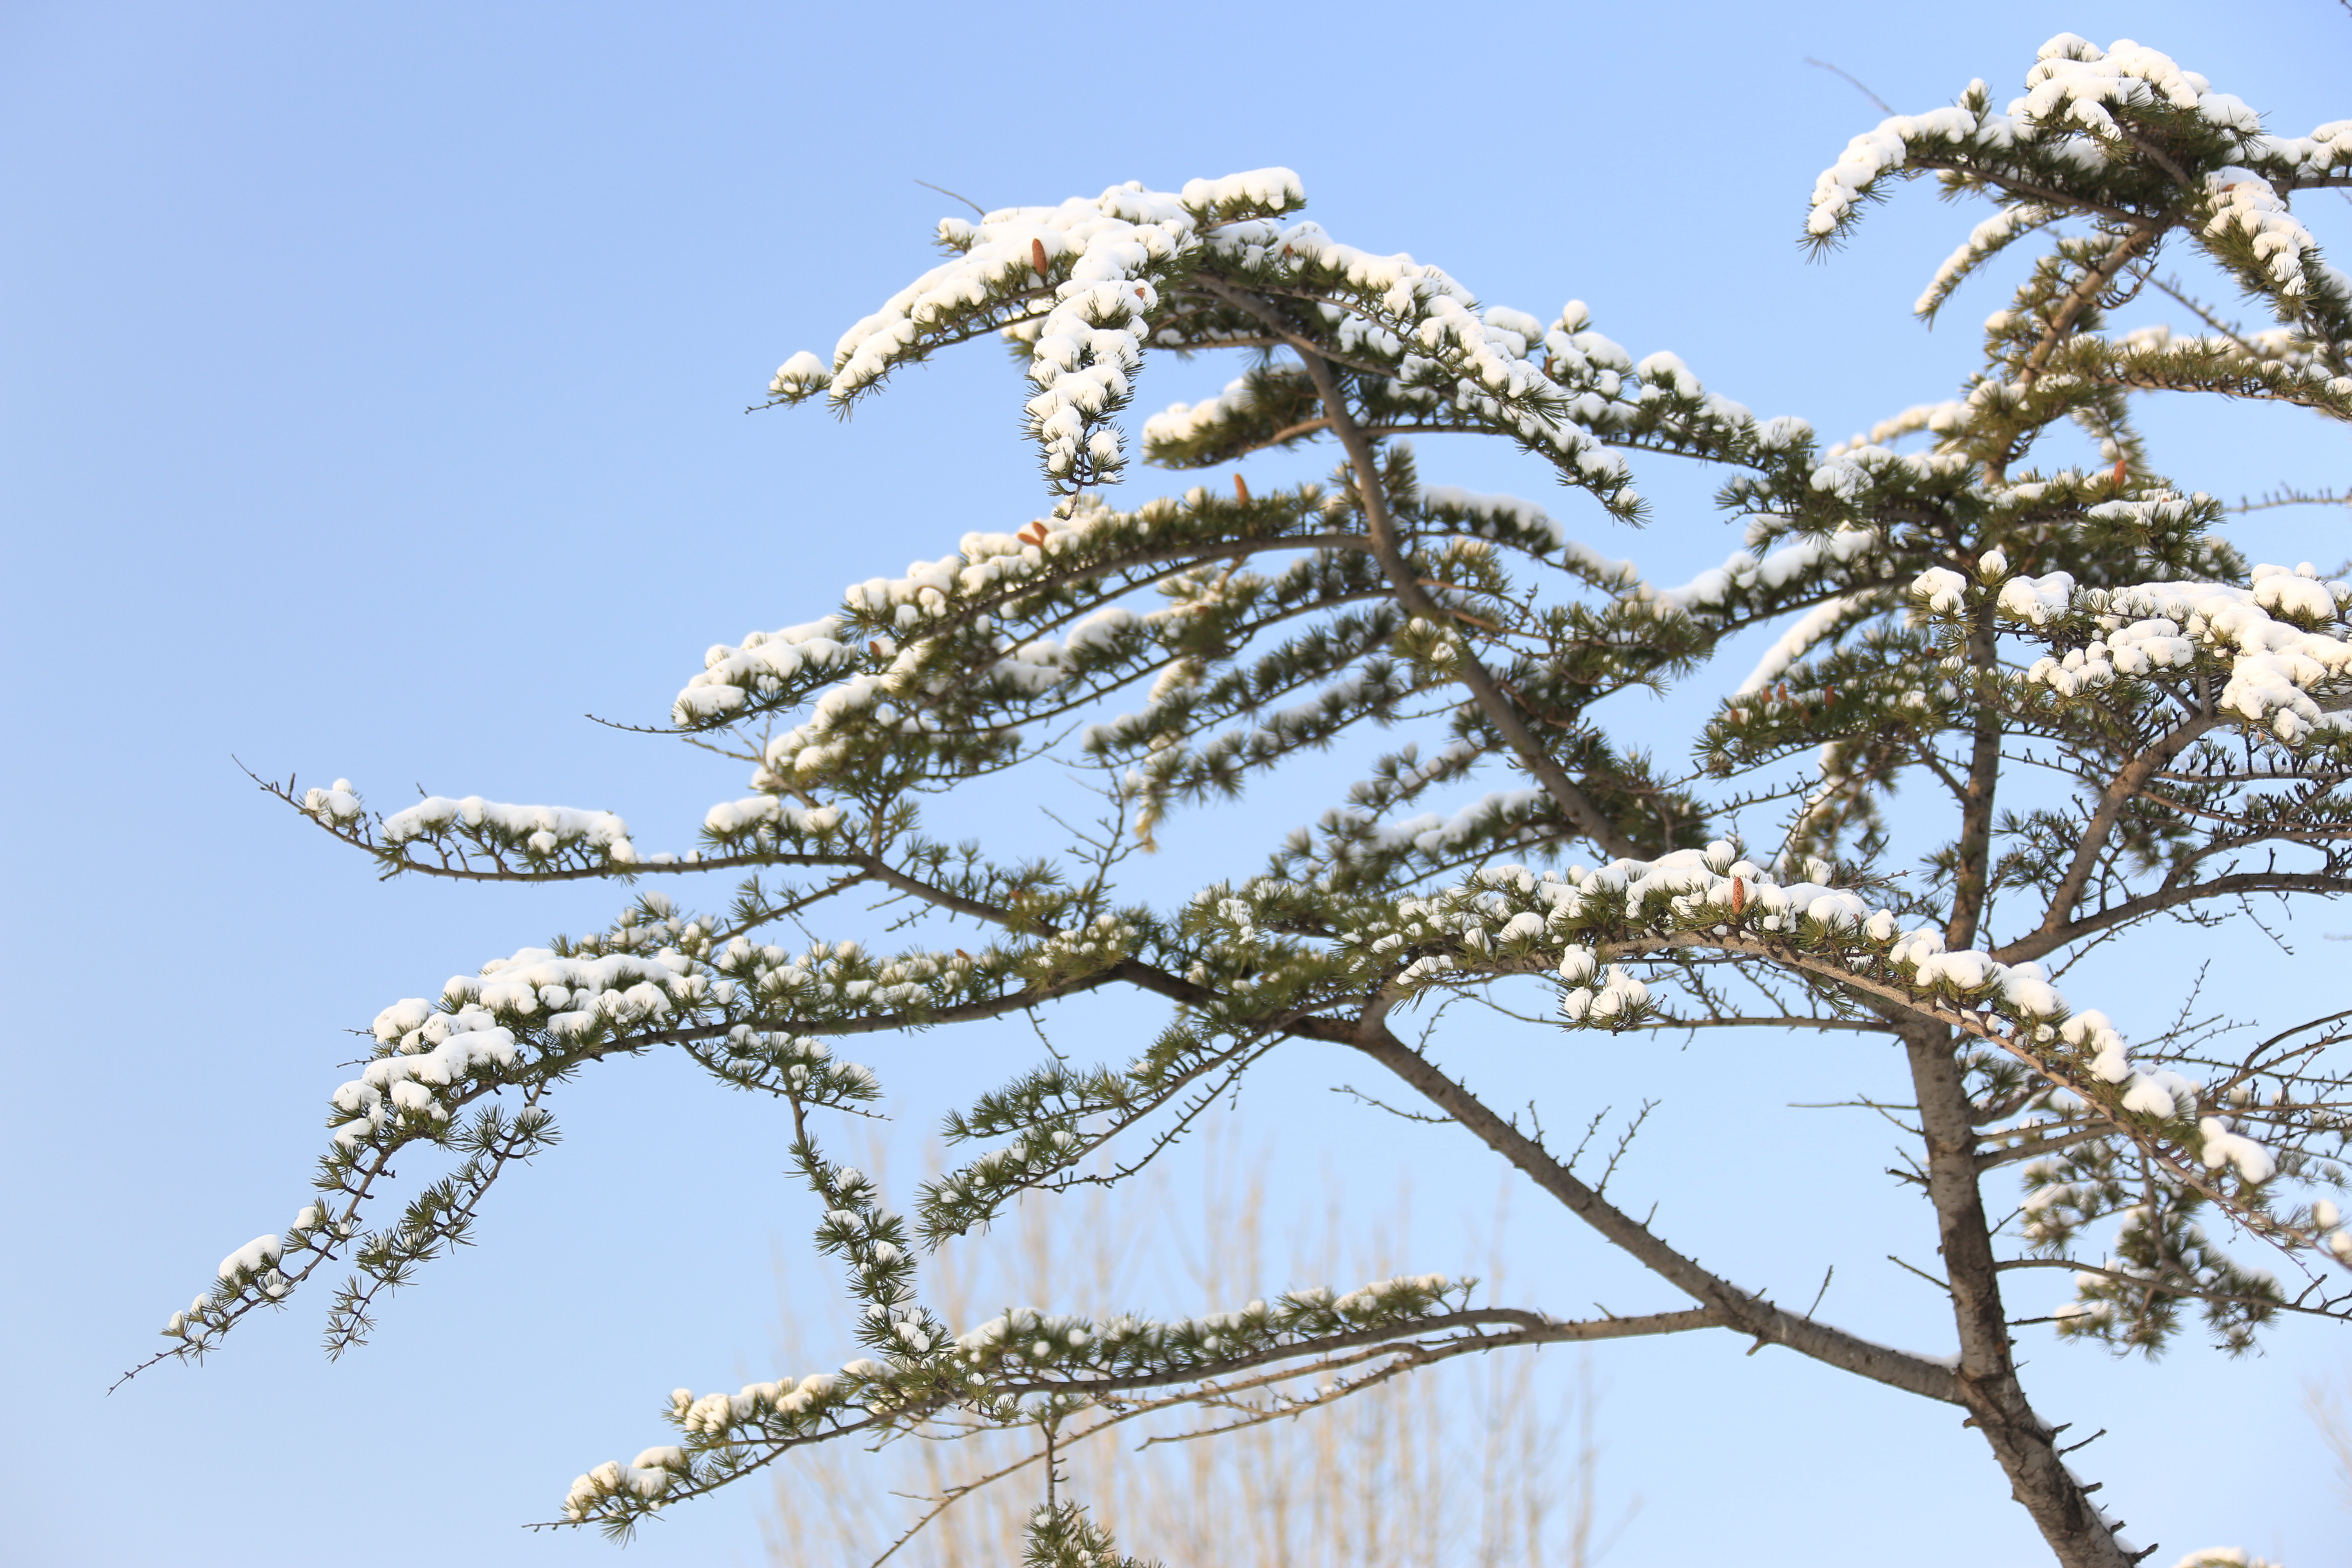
1884 106
958 194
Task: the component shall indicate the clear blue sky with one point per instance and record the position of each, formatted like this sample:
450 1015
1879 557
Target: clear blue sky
373 380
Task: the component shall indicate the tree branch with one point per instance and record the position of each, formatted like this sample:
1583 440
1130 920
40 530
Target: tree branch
2110 810
1739 1309
1485 691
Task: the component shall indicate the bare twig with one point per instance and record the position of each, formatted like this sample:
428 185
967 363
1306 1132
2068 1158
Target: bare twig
1885 107
957 194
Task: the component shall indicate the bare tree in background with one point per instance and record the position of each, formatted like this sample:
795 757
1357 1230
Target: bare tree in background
1470 1466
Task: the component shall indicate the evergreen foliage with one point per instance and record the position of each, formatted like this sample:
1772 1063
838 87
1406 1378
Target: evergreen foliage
2114 718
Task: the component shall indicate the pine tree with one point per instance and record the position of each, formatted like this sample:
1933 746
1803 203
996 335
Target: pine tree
2110 716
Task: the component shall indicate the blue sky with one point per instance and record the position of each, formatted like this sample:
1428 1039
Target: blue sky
373 406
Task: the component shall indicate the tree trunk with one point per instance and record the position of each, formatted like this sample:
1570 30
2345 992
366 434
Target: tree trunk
2026 1446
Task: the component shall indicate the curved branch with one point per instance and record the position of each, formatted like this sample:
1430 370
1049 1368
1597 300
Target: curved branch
2110 810
1739 1308
1484 690
2034 944
1529 1328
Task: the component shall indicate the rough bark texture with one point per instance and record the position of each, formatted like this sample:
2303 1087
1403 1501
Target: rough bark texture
1988 1381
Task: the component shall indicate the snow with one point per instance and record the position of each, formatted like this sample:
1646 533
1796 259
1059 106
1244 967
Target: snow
1667 370
883 688
2160 1094
2224 1147
1872 154
1790 564
1437 835
545 829
2073 81
1525 926
2243 200
1522 517
1484 925
336 807
1260 190
2036 600
765 813
1995 232
1020 1335
2091 1033
2029 992
763 662
1180 423
252 1257
2283 675
2067 112
1078 287
1087 318
610 1479
1619 997
1800 639
1944 590
485 1017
